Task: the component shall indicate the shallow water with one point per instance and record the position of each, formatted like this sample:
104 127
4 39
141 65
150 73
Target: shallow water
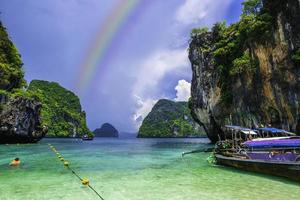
133 169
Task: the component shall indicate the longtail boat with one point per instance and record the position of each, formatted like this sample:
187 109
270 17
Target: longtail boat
283 168
267 150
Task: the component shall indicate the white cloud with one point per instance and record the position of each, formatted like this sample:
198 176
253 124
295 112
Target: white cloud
155 67
193 11
183 90
143 108
151 72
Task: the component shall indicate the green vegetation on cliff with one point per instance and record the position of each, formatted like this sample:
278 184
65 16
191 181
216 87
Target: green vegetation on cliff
248 73
169 119
19 109
11 72
231 44
61 110
296 57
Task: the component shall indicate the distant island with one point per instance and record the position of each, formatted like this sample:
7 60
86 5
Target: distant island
106 130
170 119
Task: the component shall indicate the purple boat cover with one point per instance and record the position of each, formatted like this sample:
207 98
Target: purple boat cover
273 157
274 143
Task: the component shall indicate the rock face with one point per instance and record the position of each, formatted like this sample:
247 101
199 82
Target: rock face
248 73
20 120
106 130
170 119
61 110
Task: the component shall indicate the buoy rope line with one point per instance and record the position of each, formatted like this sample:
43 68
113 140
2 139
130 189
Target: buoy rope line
84 181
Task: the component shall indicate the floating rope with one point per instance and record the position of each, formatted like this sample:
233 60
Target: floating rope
84 181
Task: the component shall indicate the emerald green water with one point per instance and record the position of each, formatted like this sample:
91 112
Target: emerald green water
133 169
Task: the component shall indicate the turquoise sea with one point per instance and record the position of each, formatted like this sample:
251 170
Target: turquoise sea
130 169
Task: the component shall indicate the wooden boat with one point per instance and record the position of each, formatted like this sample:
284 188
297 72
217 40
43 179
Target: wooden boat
265 150
288 169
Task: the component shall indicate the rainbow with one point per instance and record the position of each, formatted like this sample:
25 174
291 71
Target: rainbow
100 48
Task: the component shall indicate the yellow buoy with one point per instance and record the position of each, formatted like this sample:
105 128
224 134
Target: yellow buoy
59 157
62 159
85 181
66 163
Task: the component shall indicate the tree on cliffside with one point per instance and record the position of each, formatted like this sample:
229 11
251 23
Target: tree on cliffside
11 72
252 7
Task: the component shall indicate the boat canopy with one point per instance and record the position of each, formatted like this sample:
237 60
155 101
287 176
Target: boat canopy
274 131
249 132
273 143
272 138
246 131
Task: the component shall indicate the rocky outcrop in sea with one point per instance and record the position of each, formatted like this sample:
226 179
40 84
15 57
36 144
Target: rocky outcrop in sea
106 130
170 119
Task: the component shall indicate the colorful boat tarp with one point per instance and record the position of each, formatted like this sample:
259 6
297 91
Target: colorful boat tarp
273 143
273 157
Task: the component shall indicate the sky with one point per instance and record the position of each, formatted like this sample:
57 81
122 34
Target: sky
118 56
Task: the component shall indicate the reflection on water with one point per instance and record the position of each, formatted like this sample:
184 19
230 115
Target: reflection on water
132 169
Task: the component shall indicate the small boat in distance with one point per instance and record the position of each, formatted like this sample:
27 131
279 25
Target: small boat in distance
87 137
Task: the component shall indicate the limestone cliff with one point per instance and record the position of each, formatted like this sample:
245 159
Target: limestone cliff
170 119
248 73
61 110
20 120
